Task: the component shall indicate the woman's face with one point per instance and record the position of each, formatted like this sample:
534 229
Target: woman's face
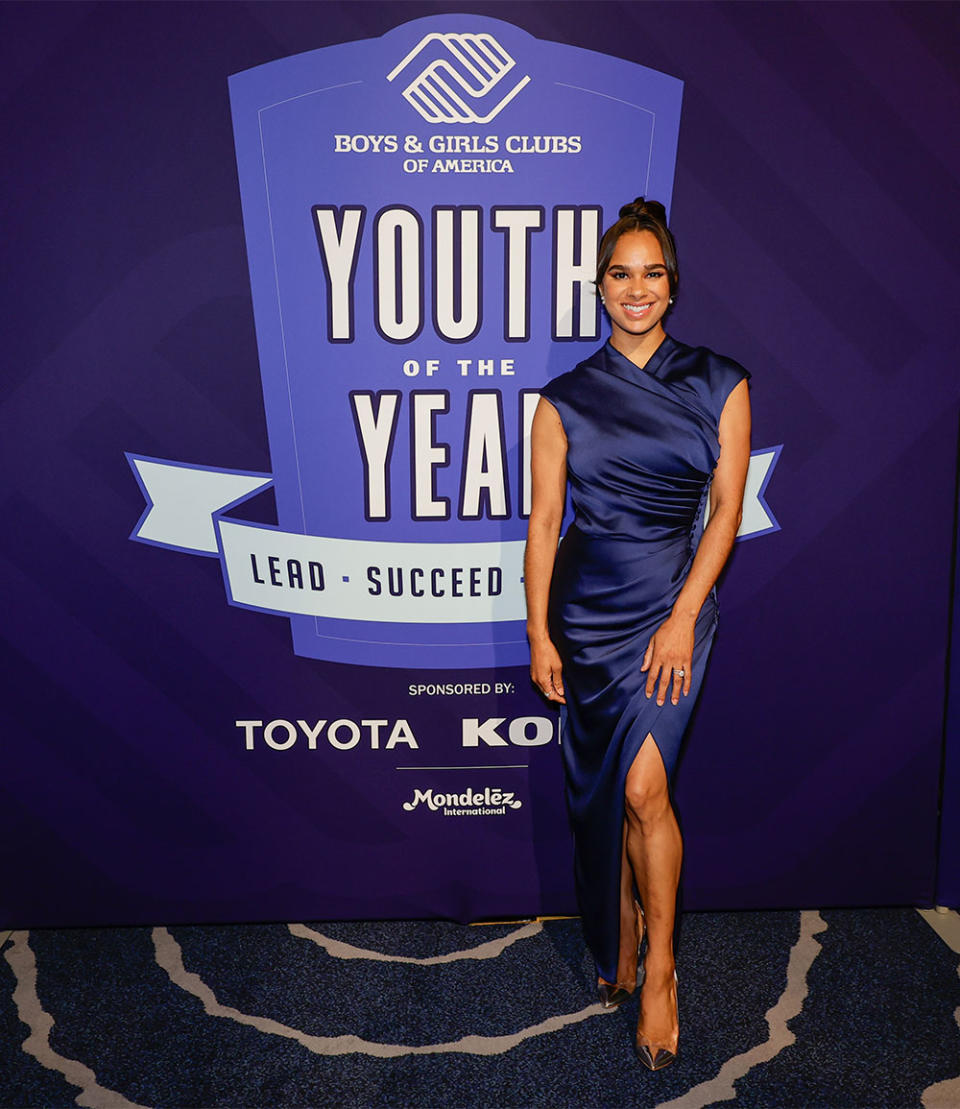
636 288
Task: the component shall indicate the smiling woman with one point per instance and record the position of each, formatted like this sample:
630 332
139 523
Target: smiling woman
637 286
622 617
637 278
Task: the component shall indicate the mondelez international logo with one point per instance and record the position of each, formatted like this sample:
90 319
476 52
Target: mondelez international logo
416 277
457 74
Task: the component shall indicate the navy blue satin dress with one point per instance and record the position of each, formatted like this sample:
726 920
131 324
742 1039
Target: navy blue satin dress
641 448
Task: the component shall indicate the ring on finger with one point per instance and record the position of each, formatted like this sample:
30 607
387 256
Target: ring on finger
679 671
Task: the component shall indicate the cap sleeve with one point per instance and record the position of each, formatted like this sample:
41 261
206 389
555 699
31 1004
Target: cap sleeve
725 376
557 392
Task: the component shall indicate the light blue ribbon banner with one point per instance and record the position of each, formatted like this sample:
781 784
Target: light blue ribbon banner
273 570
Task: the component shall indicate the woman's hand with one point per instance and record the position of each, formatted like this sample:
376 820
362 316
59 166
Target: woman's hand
546 669
669 655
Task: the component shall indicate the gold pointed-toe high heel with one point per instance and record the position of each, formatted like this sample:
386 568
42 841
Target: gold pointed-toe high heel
654 1056
610 994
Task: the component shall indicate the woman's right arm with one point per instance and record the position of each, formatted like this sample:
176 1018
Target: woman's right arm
548 466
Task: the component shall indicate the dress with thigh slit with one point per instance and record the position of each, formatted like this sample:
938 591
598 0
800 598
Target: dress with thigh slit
642 445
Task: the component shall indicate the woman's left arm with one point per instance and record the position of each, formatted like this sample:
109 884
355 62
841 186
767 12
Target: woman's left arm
671 648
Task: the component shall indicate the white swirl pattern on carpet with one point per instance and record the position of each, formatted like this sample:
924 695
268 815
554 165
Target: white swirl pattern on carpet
170 957
790 1003
945 1094
23 963
489 950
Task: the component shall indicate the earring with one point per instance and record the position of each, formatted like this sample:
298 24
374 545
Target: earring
672 300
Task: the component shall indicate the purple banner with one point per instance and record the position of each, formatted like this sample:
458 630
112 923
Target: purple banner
178 751
422 246
421 233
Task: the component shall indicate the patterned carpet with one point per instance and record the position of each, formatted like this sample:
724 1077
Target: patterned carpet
832 1008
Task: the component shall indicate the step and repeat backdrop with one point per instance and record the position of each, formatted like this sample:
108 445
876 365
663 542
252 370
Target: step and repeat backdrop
948 874
286 281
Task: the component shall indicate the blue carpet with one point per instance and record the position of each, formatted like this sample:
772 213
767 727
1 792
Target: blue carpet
836 1009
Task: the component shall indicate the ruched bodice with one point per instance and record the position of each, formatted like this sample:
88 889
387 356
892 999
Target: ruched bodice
642 445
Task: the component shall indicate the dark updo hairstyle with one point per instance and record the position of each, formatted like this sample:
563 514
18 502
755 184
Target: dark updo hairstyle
641 215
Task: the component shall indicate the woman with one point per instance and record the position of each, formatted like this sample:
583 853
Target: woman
622 617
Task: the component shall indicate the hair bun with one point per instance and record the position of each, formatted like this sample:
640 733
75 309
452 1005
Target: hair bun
639 206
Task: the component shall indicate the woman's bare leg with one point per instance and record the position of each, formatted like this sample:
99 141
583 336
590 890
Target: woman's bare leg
655 851
629 924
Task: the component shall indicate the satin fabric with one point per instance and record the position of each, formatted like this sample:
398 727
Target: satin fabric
642 445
